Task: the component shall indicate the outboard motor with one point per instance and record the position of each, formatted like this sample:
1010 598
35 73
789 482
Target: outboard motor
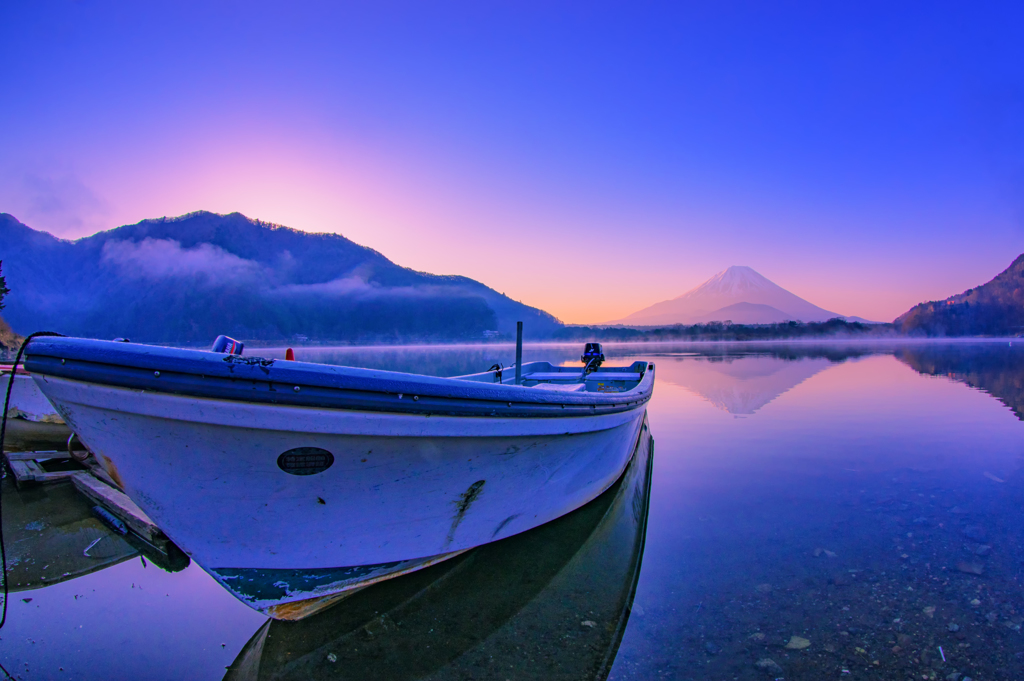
228 346
592 358
591 352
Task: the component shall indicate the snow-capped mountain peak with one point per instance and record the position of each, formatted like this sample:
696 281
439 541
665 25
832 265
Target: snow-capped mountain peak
732 295
736 280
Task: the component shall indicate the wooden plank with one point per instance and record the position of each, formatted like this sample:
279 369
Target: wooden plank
26 472
58 476
97 470
118 503
35 456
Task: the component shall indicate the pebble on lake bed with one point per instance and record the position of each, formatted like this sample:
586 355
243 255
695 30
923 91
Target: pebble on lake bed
975 532
770 666
798 643
970 568
930 611
589 624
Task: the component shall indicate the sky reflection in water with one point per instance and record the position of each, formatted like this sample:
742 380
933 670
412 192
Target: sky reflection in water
836 494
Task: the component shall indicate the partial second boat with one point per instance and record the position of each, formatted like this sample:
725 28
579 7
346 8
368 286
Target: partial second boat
32 422
295 483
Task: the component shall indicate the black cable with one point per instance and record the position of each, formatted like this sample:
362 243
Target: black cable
497 369
3 435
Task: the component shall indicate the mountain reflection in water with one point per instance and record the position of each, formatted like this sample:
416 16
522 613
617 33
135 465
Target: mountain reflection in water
744 384
995 368
551 603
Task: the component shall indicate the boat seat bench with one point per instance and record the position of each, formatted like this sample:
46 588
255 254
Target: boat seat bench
562 387
575 376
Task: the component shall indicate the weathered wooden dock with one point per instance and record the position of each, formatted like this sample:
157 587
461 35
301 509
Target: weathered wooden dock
89 478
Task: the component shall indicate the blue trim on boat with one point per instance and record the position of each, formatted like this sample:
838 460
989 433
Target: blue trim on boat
253 585
197 373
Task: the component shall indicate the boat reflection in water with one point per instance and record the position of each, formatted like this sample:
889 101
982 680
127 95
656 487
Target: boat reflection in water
52 536
550 603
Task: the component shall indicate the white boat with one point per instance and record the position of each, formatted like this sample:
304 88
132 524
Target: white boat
293 484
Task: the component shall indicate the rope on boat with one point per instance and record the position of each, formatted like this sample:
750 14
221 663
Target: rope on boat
3 435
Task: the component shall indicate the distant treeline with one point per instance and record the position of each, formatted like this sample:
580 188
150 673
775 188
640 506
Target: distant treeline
964 315
723 331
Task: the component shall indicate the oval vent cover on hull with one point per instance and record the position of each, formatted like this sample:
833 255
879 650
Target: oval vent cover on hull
305 461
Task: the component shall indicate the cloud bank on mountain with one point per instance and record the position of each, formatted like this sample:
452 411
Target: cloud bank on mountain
187 279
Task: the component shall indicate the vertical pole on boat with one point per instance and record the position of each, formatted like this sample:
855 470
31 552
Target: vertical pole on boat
519 353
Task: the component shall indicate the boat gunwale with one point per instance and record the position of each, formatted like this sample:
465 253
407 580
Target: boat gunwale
194 373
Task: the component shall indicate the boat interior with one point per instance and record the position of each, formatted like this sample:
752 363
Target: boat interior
591 377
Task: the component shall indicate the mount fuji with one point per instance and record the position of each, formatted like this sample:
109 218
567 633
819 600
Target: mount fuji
738 294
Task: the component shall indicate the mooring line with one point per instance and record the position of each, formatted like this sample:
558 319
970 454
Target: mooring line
3 435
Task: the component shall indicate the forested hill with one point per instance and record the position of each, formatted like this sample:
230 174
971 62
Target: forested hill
188 279
993 309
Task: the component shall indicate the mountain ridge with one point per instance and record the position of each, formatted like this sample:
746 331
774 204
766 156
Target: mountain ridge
182 279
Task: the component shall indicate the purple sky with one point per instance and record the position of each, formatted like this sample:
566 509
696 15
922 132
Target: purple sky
589 159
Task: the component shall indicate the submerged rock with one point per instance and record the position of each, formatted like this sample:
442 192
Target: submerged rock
798 643
769 665
975 532
970 568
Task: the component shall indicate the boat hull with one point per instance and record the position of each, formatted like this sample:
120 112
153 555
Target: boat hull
511 609
403 491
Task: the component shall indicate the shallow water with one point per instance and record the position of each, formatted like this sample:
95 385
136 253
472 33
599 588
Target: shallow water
845 495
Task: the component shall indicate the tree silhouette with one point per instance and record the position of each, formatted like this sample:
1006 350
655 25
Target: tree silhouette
3 285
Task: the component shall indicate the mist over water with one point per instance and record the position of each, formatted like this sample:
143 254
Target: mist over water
816 511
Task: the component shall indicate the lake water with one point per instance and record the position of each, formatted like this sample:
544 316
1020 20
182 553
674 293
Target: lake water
810 512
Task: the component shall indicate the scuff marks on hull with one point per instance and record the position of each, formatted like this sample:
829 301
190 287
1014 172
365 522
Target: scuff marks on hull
505 522
462 505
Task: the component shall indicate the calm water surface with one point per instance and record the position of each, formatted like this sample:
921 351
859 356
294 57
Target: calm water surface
815 512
